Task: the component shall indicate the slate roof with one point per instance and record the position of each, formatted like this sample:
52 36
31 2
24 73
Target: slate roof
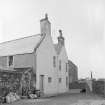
71 64
20 46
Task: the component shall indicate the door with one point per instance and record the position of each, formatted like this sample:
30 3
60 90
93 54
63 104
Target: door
42 83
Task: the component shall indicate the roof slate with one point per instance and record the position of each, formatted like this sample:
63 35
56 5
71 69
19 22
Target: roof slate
20 46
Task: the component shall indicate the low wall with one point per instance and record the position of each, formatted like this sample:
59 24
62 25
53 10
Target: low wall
76 85
87 85
99 87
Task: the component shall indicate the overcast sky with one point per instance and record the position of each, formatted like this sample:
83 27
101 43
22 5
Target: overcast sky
82 22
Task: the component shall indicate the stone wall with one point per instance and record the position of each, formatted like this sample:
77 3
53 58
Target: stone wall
9 81
76 85
98 87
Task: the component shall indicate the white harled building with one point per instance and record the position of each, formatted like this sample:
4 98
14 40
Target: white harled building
49 61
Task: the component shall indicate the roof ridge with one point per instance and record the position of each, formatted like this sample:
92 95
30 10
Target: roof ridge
19 38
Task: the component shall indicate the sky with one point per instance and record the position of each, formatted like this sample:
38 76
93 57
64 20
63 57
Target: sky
82 23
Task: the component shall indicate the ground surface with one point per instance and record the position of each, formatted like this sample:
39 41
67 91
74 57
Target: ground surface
65 99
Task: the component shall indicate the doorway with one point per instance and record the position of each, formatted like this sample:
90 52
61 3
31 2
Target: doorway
42 83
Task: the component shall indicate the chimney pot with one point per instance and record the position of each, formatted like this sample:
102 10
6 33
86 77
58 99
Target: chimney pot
60 32
46 16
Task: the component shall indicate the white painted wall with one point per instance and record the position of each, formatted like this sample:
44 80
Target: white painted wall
45 67
63 73
3 61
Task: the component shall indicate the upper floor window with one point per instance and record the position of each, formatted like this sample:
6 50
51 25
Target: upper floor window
60 80
59 64
10 60
54 61
66 66
49 79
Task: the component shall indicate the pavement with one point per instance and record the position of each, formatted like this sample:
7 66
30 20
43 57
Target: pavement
64 99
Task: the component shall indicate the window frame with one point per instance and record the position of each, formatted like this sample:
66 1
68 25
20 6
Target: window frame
66 67
60 67
66 81
49 79
54 61
60 80
10 60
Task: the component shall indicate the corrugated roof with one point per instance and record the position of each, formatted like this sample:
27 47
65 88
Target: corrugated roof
20 46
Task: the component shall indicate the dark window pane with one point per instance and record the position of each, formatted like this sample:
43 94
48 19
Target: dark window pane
10 62
54 61
59 64
60 79
49 79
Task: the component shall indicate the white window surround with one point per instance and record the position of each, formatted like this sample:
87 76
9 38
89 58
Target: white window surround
8 61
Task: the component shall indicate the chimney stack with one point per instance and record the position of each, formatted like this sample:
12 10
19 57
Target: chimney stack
45 26
61 38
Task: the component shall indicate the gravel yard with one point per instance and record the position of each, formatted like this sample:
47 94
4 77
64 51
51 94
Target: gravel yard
65 99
